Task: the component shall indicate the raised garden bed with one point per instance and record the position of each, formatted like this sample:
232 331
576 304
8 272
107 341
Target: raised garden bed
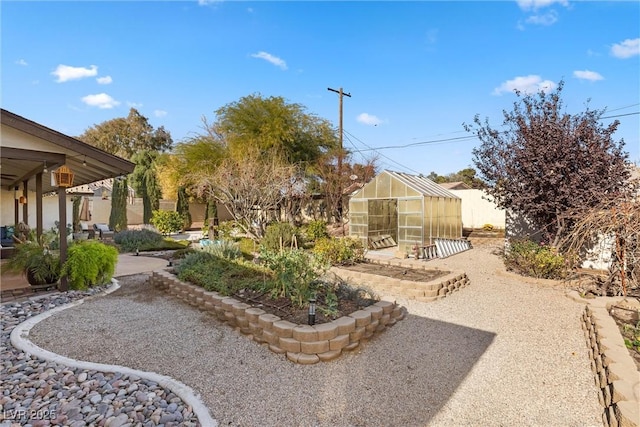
301 343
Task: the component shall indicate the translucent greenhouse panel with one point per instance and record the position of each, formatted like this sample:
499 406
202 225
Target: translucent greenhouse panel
411 192
383 189
383 218
369 190
398 189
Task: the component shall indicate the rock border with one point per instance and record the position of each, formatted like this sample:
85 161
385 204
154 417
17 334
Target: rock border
302 344
615 372
20 340
419 291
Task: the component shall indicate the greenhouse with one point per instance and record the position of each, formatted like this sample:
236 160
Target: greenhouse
404 209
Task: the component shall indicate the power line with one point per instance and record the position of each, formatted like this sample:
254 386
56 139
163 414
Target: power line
386 157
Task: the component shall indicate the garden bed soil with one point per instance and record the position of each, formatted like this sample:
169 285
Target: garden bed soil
286 310
396 272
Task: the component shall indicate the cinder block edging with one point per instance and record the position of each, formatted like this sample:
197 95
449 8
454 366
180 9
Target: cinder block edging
615 373
302 344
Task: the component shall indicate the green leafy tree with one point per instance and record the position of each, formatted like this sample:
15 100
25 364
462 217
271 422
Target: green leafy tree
467 175
125 136
118 216
182 207
145 182
271 125
548 163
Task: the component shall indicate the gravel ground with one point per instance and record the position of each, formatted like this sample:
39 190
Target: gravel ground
500 352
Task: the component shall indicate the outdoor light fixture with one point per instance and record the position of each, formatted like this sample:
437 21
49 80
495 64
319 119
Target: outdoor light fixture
45 170
22 200
63 177
84 161
137 252
312 311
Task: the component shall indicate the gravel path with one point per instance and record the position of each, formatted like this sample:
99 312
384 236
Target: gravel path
496 353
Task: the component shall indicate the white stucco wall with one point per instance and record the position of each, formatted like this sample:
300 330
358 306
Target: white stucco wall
49 209
478 211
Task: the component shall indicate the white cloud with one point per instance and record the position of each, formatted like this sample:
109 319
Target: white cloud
592 76
278 62
368 119
22 62
135 105
66 72
545 19
209 2
539 4
104 80
100 100
626 49
159 113
526 84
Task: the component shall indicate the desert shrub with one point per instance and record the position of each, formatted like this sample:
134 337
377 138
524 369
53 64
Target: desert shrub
89 263
535 260
247 247
223 249
130 240
182 253
280 233
336 251
316 230
167 222
227 230
295 272
221 275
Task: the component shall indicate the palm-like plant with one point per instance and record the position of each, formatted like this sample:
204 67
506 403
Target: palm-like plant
40 264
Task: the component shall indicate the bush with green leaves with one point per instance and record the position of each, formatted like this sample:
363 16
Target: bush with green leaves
316 230
221 275
167 222
130 240
227 230
339 251
529 258
223 249
280 235
89 263
295 272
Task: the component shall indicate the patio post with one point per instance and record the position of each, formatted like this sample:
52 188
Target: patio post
39 205
62 228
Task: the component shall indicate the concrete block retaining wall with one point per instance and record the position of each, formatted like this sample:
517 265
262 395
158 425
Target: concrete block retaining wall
614 371
419 291
302 344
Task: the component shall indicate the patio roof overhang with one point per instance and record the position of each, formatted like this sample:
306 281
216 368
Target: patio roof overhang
27 148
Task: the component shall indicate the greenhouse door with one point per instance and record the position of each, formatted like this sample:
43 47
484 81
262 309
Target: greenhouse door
383 218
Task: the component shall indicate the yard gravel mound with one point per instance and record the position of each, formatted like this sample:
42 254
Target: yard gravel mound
499 352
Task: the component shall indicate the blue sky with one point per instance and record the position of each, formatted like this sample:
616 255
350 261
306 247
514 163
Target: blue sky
415 70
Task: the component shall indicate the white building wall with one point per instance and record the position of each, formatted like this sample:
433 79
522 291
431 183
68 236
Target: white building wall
478 211
49 209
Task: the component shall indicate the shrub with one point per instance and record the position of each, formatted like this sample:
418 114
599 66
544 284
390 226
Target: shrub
227 230
130 240
182 253
317 230
535 260
280 235
223 249
221 275
336 251
89 263
487 227
295 271
167 222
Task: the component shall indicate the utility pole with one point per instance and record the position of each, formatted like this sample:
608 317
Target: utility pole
341 94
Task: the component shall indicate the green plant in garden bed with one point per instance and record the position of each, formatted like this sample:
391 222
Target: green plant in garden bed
37 262
337 251
535 260
281 235
223 249
316 230
89 263
130 240
221 275
295 272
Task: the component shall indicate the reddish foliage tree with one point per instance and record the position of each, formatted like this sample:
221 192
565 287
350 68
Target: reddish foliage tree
548 162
